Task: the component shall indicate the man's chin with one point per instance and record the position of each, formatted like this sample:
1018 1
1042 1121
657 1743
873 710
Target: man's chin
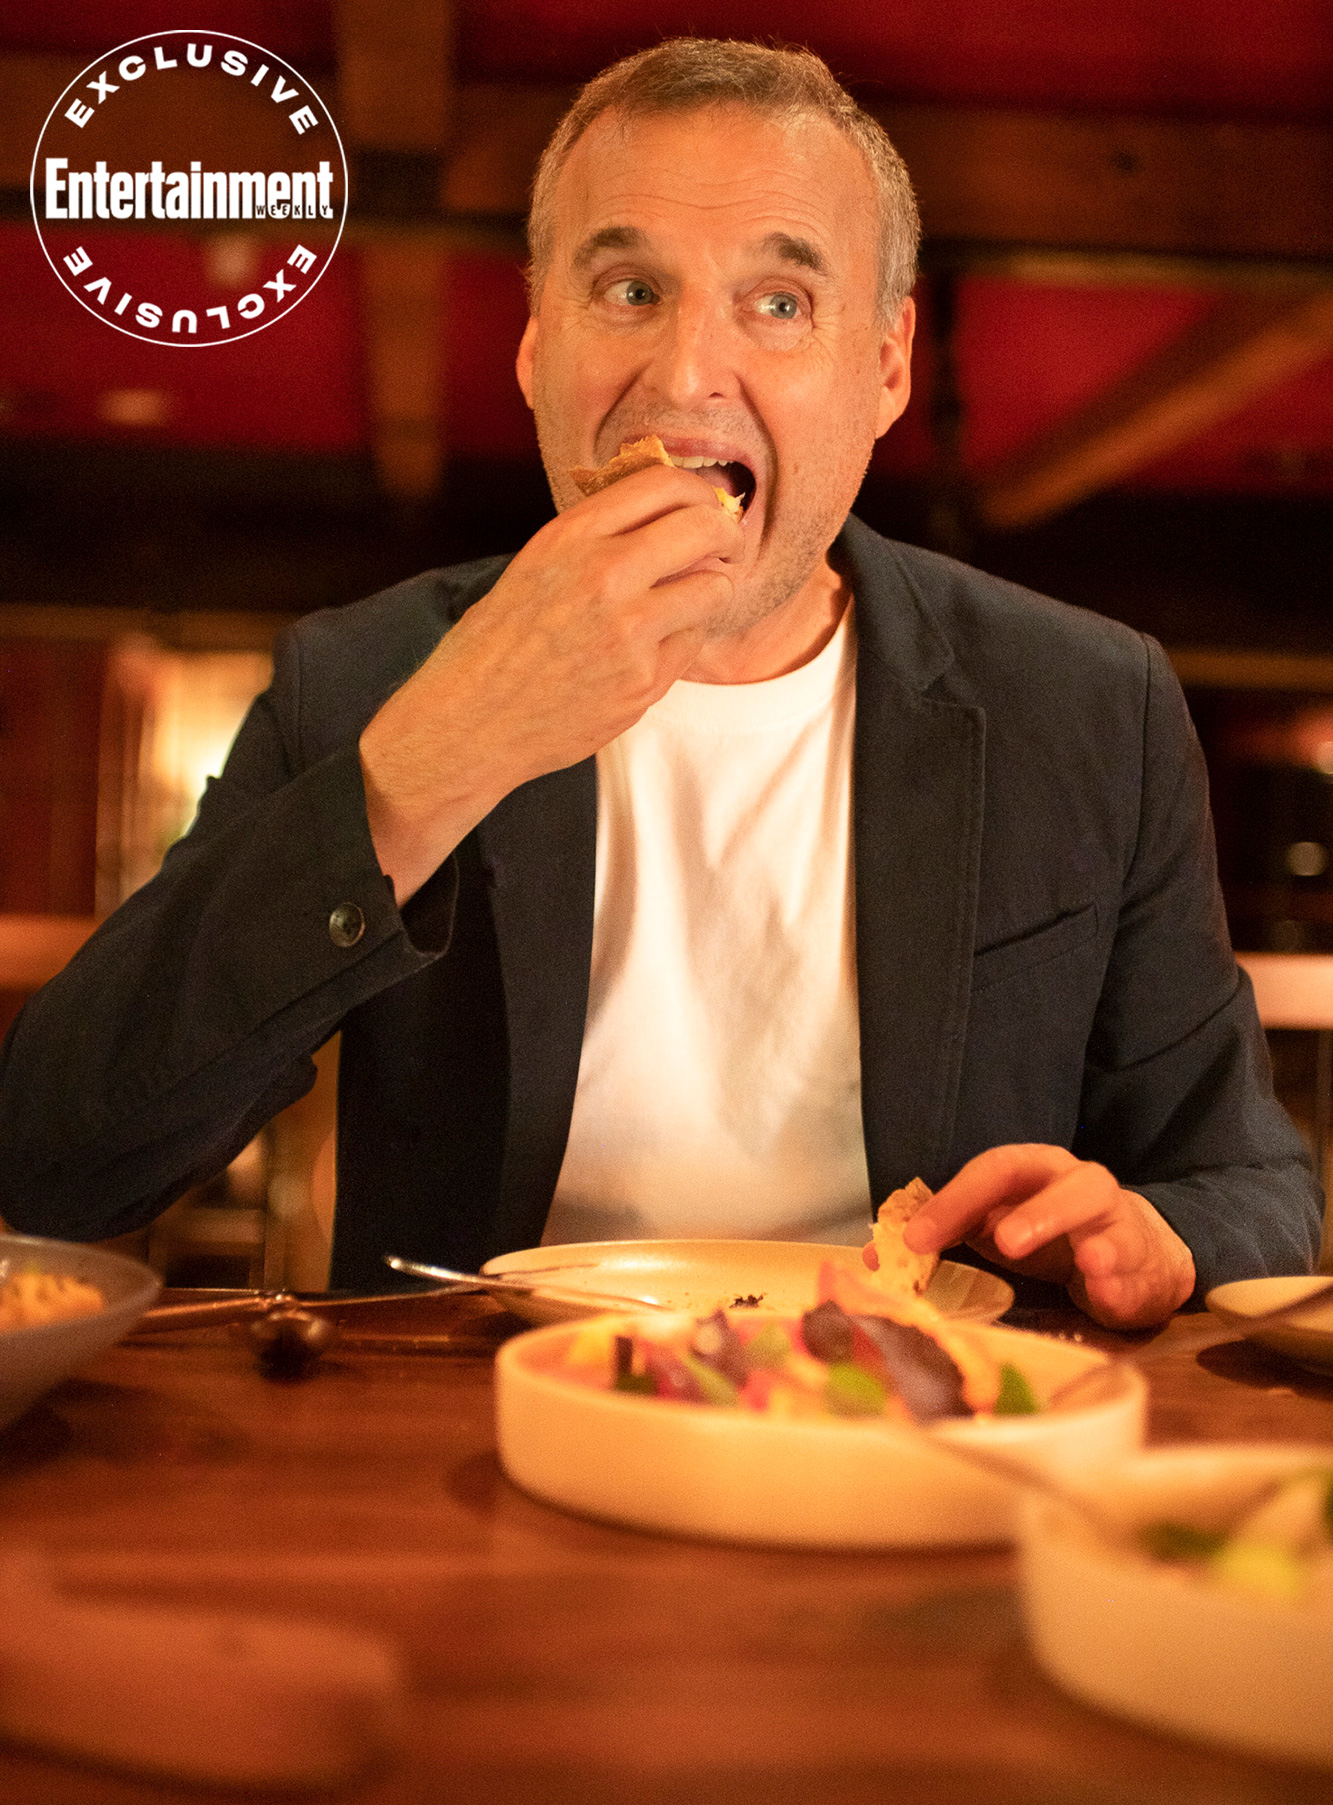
754 600
742 617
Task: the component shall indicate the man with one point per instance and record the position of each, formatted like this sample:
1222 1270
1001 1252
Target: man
686 873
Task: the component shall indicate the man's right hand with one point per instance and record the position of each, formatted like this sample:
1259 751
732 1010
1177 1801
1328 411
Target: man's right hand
590 624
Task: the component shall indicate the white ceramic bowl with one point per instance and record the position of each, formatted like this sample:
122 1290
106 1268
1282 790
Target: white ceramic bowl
1148 1641
699 1275
34 1359
1305 1336
737 1475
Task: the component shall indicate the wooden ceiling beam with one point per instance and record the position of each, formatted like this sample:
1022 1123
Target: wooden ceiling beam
430 160
502 131
1016 176
1091 268
403 300
1205 667
987 176
30 85
395 73
1249 344
398 104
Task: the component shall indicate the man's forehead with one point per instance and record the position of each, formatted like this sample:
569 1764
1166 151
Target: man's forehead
781 187
778 246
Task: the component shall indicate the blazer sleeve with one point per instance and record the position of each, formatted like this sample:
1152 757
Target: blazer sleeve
1178 1097
190 1016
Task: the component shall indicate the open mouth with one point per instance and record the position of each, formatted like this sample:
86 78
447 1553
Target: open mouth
737 479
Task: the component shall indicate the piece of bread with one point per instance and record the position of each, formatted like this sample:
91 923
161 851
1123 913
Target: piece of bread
636 454
639 454
899 1267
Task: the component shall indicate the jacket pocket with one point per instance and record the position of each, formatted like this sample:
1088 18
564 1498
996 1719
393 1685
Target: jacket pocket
1054 940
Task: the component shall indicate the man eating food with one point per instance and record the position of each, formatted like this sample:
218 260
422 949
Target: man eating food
642 454
699 869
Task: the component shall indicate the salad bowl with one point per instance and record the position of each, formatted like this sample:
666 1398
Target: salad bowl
735 1474
37 1356
1171 1645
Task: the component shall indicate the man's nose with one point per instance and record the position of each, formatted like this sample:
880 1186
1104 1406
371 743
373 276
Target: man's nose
695 358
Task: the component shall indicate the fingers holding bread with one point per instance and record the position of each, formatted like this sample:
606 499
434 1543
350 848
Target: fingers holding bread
898 1267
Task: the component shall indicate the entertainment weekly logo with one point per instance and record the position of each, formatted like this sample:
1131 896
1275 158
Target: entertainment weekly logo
189 134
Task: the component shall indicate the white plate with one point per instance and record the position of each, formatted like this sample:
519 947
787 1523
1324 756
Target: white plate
699 1275
738 1476
1145 1640
1306 1337
34 1359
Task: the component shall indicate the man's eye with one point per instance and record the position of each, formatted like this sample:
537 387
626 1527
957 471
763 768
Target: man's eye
780 306
631 292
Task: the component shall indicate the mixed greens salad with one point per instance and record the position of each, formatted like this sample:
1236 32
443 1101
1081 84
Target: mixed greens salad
863 1353
1281 1547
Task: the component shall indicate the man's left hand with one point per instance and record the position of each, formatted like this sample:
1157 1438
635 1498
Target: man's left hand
1044 1213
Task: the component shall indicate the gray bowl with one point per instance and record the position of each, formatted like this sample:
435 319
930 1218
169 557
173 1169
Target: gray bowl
34 1359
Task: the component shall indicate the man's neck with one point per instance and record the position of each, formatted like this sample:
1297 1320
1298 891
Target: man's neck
790 636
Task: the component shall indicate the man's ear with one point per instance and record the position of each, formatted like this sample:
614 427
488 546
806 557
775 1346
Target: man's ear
523 363
895 367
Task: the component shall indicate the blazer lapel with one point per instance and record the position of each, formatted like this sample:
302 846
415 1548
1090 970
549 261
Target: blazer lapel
538 852
917 812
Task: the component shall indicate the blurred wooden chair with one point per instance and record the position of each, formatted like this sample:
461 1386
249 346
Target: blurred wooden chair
298 1231
270 1216
168 716
1295 990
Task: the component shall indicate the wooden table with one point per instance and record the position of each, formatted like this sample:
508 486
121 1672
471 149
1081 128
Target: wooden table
562 1662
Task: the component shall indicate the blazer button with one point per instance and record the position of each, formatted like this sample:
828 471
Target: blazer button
346 925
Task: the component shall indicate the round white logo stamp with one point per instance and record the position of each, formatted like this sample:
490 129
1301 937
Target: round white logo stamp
191 134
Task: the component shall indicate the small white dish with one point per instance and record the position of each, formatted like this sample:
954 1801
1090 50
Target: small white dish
35 1358
1305 1336
1151 1641
700 1275
740 1476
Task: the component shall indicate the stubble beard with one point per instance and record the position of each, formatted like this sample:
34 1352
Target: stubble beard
778 578
782 568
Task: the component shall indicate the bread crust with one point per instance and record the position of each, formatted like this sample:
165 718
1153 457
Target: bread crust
899 1267
640 454
635 454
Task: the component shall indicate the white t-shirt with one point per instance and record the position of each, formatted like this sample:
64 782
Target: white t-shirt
719 1090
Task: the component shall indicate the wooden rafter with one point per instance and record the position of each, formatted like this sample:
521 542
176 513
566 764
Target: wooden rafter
987 176
1204 667
395 86
1249 344
502 131
403 295
1015 176
395 73
434 163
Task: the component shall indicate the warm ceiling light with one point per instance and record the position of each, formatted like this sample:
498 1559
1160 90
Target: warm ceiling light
231 259
1307 858
134 407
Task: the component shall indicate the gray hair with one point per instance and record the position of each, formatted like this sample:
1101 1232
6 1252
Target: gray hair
687 73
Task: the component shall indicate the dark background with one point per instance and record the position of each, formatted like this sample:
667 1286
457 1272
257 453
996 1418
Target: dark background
1124 202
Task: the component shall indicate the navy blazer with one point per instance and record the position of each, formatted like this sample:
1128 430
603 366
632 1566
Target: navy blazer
1041 949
